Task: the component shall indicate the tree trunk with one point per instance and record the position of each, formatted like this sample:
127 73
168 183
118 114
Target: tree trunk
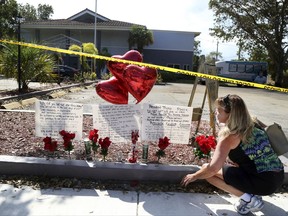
24 87
277 58
279 67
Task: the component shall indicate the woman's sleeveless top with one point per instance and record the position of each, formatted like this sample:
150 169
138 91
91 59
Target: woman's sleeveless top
257 155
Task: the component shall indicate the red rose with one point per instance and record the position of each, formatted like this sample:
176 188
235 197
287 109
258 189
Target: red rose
67 137
163 143
49 145
93 135
47 140
62 133
205 145
104 143
134 136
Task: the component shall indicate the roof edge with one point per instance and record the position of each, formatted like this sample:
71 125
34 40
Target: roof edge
73 17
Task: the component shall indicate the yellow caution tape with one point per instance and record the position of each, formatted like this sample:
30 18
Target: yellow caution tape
158 67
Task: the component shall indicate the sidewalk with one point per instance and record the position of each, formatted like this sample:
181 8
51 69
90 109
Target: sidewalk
28 201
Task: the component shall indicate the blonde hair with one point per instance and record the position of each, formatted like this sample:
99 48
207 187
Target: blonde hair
239 121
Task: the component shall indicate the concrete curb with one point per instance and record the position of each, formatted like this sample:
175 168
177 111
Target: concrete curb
28 101
13 165
17 105
11 106
57 94
76 89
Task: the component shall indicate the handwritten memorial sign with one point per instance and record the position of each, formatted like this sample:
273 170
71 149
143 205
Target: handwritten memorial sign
51 117
159 120
117 121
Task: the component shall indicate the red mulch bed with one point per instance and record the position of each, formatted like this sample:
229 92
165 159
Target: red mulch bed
17 137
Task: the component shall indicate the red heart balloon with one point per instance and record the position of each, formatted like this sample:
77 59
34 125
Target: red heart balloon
112 91
139 80
117 68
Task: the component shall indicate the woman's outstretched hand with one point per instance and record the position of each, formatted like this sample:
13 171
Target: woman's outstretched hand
188 179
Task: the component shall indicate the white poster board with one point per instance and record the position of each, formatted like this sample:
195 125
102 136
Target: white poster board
117 121
159 120
51 117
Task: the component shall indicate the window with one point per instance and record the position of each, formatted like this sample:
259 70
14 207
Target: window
174 66
186 67
241 68
257 69
249 69
233 67
177 66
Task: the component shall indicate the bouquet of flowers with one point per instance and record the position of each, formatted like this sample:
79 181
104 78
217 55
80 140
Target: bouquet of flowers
134 139
162 144
104 144
50 145
67 137
93 136
204 145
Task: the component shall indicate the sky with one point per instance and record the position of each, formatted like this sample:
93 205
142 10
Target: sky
180 15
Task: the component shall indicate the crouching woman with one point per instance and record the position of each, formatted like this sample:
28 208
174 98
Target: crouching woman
254 169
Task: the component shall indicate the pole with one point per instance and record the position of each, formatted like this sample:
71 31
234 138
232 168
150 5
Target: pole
95 37
19 57
193 92
217 52
95 25
82 63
